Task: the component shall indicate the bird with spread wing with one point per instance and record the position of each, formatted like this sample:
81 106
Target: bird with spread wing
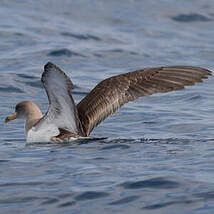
64 121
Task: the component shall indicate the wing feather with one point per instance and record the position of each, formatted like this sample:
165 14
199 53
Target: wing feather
110 94
62 112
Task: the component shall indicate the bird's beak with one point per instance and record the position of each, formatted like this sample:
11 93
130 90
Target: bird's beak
9 118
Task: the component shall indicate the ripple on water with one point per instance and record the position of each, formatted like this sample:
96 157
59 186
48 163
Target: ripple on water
81 36
121 146
63 52
30 80
165 204
125 200
192 17
35 84
67 204
23 184
160 183
25 76
11 89
15 200
205 195
50 201
4 161
90 195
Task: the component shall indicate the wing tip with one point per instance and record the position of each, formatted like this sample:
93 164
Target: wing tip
48 67
51 69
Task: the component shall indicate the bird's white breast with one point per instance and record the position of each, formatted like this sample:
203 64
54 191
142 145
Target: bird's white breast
42 135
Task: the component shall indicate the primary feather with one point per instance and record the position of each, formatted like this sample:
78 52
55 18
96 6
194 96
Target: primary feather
110 94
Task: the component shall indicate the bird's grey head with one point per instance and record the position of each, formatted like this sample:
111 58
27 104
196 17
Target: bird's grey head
23 110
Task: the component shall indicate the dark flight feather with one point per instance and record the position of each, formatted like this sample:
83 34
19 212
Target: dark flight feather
110 94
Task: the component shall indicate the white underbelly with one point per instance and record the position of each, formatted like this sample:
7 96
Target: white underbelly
41 135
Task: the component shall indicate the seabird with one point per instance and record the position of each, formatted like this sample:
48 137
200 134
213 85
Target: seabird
64 121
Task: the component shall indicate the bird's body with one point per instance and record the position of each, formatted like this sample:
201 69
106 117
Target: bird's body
65 121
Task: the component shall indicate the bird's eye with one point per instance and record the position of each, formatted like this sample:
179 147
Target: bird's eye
17 108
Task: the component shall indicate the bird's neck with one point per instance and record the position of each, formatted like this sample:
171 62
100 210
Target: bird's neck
32 118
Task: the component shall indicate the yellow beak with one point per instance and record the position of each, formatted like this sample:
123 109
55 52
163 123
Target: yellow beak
9 118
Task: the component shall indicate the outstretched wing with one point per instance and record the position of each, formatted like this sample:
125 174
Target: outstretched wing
62 112
110 94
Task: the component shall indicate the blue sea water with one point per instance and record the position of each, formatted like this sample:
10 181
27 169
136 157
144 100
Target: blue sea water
159 153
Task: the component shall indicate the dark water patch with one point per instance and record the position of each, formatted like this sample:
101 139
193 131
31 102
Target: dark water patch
19 34
192 17
117 50
149 122
77 142
135 53
11 89
125 200
99 158
50 201
81 36
10 34
45 144
115 147
25 76
65 195
79 92
28 184
63 52
146 141
15 200
120 140
4 161
13 140
90 195
165 204
195 98
90 140
126 143
35 84
165 141
67 204
122 51
98 55
205 195
160 183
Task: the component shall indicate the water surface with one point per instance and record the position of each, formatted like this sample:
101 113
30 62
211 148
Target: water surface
158 155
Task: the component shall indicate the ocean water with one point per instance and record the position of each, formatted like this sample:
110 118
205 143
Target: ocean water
158 155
